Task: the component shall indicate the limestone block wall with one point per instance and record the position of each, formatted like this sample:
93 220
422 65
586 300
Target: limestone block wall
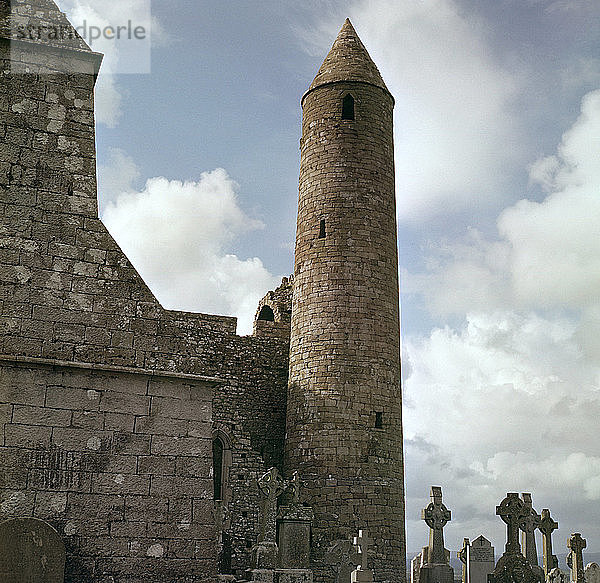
344 403
118 462
274 312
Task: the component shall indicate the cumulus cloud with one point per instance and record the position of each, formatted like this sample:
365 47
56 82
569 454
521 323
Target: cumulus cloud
177 235
510 400
548 252
454 126
507 403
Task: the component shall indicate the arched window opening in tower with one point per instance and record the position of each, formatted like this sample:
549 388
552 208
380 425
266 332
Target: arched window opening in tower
218 473
266 313
322 229
348 107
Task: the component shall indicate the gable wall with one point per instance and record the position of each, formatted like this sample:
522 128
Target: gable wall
73 307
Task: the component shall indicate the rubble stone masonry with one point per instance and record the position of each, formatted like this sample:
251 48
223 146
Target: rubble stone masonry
344 429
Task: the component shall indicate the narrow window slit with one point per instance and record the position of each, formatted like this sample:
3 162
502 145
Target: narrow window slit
348 107
218 448
379 420
322 229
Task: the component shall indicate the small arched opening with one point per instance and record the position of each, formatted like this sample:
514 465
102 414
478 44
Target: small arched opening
266 313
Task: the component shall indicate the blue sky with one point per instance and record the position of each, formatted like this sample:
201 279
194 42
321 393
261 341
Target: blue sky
497 126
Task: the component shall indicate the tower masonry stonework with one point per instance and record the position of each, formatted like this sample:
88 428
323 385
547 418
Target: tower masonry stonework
344 427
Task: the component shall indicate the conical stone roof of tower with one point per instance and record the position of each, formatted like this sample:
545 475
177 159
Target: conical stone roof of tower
348 60
40 15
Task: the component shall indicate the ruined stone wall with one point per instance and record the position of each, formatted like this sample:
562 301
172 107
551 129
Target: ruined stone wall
86 349
344 430
274 312
249 407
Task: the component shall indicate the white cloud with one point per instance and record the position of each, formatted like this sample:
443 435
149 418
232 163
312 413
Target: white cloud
548 256
177 235
555 244
455 132
510 401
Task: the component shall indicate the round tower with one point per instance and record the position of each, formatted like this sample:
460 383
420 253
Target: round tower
344 426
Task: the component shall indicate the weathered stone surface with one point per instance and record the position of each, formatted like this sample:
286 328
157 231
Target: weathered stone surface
30 550
344 403
557 576
575 559
294 524
512 567
528 527
592 573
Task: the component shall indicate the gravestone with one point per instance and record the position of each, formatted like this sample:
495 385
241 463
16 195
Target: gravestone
529 525
464 555
264 553
31 551
512 567
294 522
547 526
592 573
415 568
436 568
557 576
575 558
481 560
344 557
362 574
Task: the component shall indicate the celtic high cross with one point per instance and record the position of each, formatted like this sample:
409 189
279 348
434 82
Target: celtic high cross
529 525
436 516
512 511
271 486
546 527
576 544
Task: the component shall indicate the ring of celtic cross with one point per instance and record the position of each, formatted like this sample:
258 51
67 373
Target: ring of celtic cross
436 516
271 484
512 510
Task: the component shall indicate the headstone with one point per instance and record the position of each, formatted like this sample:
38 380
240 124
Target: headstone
481 560
32 551
344 557
557 576
575 558
415 568
264 554
294 522
464 555
529 525
512 567
592 573
362 574
547 526
436 568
